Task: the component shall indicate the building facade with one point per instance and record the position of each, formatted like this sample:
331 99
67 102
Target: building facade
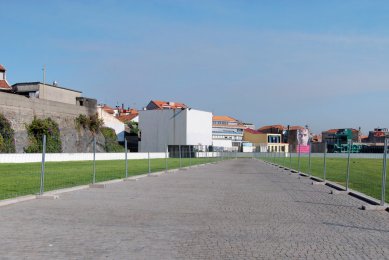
107 114
265 142
47 92
227 133
174 129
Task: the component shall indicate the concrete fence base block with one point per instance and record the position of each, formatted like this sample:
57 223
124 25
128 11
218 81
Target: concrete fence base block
97 186
47 197
318 183
339 192
130 179
153 175
373 207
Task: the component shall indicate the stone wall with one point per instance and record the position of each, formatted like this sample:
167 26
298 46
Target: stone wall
20 110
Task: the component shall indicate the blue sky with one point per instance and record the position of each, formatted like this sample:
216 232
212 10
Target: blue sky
320 63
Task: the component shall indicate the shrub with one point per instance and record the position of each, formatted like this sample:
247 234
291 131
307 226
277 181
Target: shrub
37 129
92 123
7 139
81 121
134 128
111 144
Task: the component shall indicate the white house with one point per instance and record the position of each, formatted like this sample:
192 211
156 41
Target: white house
106 113
171 128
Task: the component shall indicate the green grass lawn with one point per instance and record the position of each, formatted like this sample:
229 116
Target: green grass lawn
365 174
24 178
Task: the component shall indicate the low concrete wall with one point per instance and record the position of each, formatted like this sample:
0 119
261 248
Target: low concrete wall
64 157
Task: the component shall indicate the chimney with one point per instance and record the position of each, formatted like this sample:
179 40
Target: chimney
2 73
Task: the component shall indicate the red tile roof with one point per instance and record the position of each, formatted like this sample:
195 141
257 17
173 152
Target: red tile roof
295 127
255 132
267 127
280 127
127 118
224 118
4 85
108 109
164 104
2 68
127 111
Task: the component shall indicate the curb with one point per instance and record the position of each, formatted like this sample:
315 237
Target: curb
53 194
373 204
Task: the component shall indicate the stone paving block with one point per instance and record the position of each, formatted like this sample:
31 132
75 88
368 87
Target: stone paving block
237 209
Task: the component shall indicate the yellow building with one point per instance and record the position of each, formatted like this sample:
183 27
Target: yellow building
265 142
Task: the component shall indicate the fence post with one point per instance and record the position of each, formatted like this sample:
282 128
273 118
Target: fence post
290 158
348 165
298 160
309 160
325 161
148 157
125 156
94 160
166 151
383 187
42 188
190 156
179 149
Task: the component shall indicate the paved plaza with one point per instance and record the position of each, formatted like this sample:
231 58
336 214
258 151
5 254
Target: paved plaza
237 209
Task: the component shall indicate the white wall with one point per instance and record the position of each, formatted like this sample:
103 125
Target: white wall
227 143
64 157
160 128
112 122
199 127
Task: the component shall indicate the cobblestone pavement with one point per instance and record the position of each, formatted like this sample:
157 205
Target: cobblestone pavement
237 209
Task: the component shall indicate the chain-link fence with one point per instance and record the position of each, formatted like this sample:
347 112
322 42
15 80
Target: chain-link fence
49 169
362 172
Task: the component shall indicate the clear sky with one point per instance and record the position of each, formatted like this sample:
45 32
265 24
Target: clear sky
320 63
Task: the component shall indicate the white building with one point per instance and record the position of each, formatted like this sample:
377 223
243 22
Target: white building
173 127
227 133
106 113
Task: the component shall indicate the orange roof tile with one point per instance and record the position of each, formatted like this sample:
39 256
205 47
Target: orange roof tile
263 128
126 118
296 127
4 85
165 104
251 131
224 118
108 109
